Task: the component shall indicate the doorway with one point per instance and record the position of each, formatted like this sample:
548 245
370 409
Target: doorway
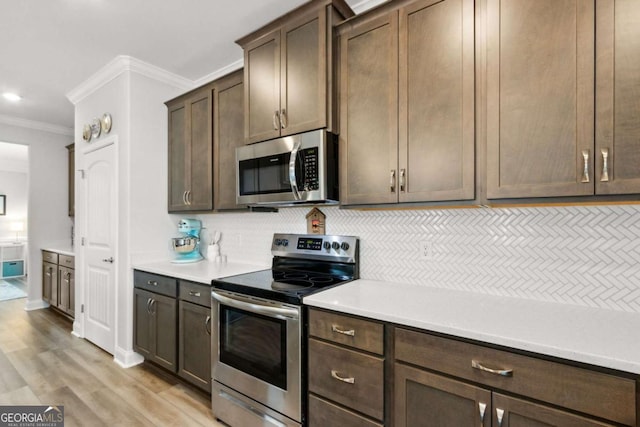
14 196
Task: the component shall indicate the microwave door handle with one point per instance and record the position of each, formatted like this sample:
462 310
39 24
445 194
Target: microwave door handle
292 170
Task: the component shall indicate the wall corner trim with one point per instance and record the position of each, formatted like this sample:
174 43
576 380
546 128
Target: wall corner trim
127 358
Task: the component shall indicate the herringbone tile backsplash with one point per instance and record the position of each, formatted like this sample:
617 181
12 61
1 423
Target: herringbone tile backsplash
584 255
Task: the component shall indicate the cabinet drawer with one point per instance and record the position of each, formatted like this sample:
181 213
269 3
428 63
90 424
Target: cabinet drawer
353 332
196 293
362 384
595 393
323 413
66 260
51 257
155 283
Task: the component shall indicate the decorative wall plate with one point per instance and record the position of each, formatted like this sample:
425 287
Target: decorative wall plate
86 133
106 122
95 128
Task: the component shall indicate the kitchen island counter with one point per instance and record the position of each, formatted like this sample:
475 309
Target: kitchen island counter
200 272
594 336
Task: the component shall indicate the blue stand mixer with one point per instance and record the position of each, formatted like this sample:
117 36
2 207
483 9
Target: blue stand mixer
187 247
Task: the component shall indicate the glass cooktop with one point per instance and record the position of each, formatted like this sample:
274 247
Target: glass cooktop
279 285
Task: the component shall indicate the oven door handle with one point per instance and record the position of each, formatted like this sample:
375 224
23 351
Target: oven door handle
292 170
256 307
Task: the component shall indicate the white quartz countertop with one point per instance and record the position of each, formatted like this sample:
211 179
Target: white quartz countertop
60 249
201 272
605 338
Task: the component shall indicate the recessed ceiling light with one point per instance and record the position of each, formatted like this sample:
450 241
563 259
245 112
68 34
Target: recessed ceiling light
11 96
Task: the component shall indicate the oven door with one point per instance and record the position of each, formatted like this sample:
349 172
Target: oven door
256 351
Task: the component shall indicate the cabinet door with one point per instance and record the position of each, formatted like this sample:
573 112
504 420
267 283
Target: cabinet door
303 81
511 412
200 190
49 282
228 135
425 399
540 104
617 94
262 90
436 111
72 293
143 323
164 312
71 178
64 278
369 112
194 352
179 153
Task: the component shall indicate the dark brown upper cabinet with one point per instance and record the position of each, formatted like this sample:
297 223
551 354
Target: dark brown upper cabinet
543 60
288 72
617 93
228 133
191 151
407 103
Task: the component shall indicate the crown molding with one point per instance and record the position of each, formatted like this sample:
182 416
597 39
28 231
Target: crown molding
35 125
365 5
220 72
119 65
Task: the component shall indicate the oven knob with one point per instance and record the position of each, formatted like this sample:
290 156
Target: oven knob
344 246
285 242
335 245
327 245
277 242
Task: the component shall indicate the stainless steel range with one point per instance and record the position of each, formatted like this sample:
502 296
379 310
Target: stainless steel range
257 342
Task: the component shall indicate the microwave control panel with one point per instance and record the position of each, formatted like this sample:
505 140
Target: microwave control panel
311 175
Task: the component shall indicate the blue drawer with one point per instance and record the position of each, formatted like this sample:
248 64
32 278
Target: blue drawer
12 268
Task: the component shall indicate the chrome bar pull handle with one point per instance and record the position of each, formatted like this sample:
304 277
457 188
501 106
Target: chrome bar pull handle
276 120
149 305
392 181
207 325
152 283
482 407
402 179
184 197
585 170
348 380
500 416
605 165
153 302
194 293
502 372
283 118
337 329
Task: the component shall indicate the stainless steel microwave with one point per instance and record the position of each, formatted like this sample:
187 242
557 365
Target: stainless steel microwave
289 171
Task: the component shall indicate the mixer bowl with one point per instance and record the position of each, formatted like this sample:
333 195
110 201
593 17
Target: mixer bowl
184 244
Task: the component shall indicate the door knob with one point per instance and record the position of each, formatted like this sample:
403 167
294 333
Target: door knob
110 259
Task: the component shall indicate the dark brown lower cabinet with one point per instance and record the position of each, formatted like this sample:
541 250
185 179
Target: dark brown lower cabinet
66 294
50 283
155 328
426 399
194 353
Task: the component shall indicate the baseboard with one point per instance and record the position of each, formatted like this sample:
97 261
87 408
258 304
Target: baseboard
35 305
77 331
127 358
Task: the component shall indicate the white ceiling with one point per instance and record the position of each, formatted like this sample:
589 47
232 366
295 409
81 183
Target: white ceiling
49 47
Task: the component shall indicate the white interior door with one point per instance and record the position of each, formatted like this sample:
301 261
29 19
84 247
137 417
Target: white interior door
100 247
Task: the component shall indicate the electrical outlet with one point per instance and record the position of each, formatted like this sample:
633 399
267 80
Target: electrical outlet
426 249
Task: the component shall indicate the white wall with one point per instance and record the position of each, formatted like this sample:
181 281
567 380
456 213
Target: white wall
14 185
48 220
136 104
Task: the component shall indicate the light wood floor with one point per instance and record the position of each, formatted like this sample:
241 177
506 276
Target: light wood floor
41 363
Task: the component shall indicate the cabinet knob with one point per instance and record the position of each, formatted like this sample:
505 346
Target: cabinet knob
585 170
392 181
348 380
276 120
605 165
337 329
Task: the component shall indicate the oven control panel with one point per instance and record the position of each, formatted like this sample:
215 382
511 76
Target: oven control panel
337 248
